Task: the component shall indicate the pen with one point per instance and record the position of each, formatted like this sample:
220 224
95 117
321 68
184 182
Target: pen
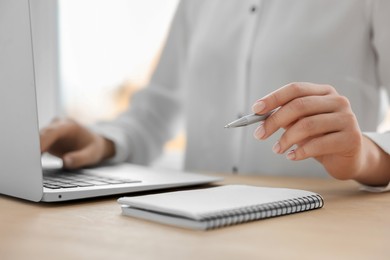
249 119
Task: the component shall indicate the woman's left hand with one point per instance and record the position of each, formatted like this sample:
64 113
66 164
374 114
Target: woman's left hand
319 122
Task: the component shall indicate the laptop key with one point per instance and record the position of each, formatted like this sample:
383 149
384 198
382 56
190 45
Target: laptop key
68 186
55 183
51 186
115 181
83 184
98 182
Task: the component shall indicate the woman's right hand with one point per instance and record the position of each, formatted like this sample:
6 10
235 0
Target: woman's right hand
76 145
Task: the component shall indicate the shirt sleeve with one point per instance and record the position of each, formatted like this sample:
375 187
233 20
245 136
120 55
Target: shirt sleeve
140 132
381 40
381 44
383 141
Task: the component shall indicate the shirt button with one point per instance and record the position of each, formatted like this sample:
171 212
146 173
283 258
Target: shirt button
253 9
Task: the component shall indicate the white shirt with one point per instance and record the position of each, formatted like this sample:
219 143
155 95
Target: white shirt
223 55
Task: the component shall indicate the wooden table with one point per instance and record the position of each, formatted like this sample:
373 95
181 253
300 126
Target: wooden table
352 225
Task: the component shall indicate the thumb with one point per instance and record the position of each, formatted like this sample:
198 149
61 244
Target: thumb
80 158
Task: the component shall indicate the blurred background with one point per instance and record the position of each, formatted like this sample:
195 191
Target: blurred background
108 50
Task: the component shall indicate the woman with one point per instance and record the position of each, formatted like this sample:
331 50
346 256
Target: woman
221 56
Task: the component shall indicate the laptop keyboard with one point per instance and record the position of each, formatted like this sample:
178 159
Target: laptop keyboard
59 179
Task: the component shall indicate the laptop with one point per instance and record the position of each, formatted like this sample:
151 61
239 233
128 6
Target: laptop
21 172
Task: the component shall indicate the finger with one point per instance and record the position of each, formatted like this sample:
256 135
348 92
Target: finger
50 134
332 143
302 107
81 158
289 92
309 127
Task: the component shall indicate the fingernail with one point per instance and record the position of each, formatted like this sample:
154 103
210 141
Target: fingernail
291 155
68 161
276 148
258 107
260 131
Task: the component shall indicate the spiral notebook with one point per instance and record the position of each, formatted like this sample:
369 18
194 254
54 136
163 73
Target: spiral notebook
220 206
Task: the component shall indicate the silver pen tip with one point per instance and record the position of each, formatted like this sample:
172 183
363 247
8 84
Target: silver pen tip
227 126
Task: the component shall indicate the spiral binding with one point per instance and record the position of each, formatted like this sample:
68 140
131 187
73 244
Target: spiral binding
268 210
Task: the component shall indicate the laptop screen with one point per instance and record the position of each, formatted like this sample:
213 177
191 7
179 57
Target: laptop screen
20 173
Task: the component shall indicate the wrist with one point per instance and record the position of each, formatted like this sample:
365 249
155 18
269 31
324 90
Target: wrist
374 165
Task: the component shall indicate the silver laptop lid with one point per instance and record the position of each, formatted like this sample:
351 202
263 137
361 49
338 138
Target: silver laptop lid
20 163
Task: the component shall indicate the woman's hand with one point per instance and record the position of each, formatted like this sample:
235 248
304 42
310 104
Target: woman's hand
75 144
321 124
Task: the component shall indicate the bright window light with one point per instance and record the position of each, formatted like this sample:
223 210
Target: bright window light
108 48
